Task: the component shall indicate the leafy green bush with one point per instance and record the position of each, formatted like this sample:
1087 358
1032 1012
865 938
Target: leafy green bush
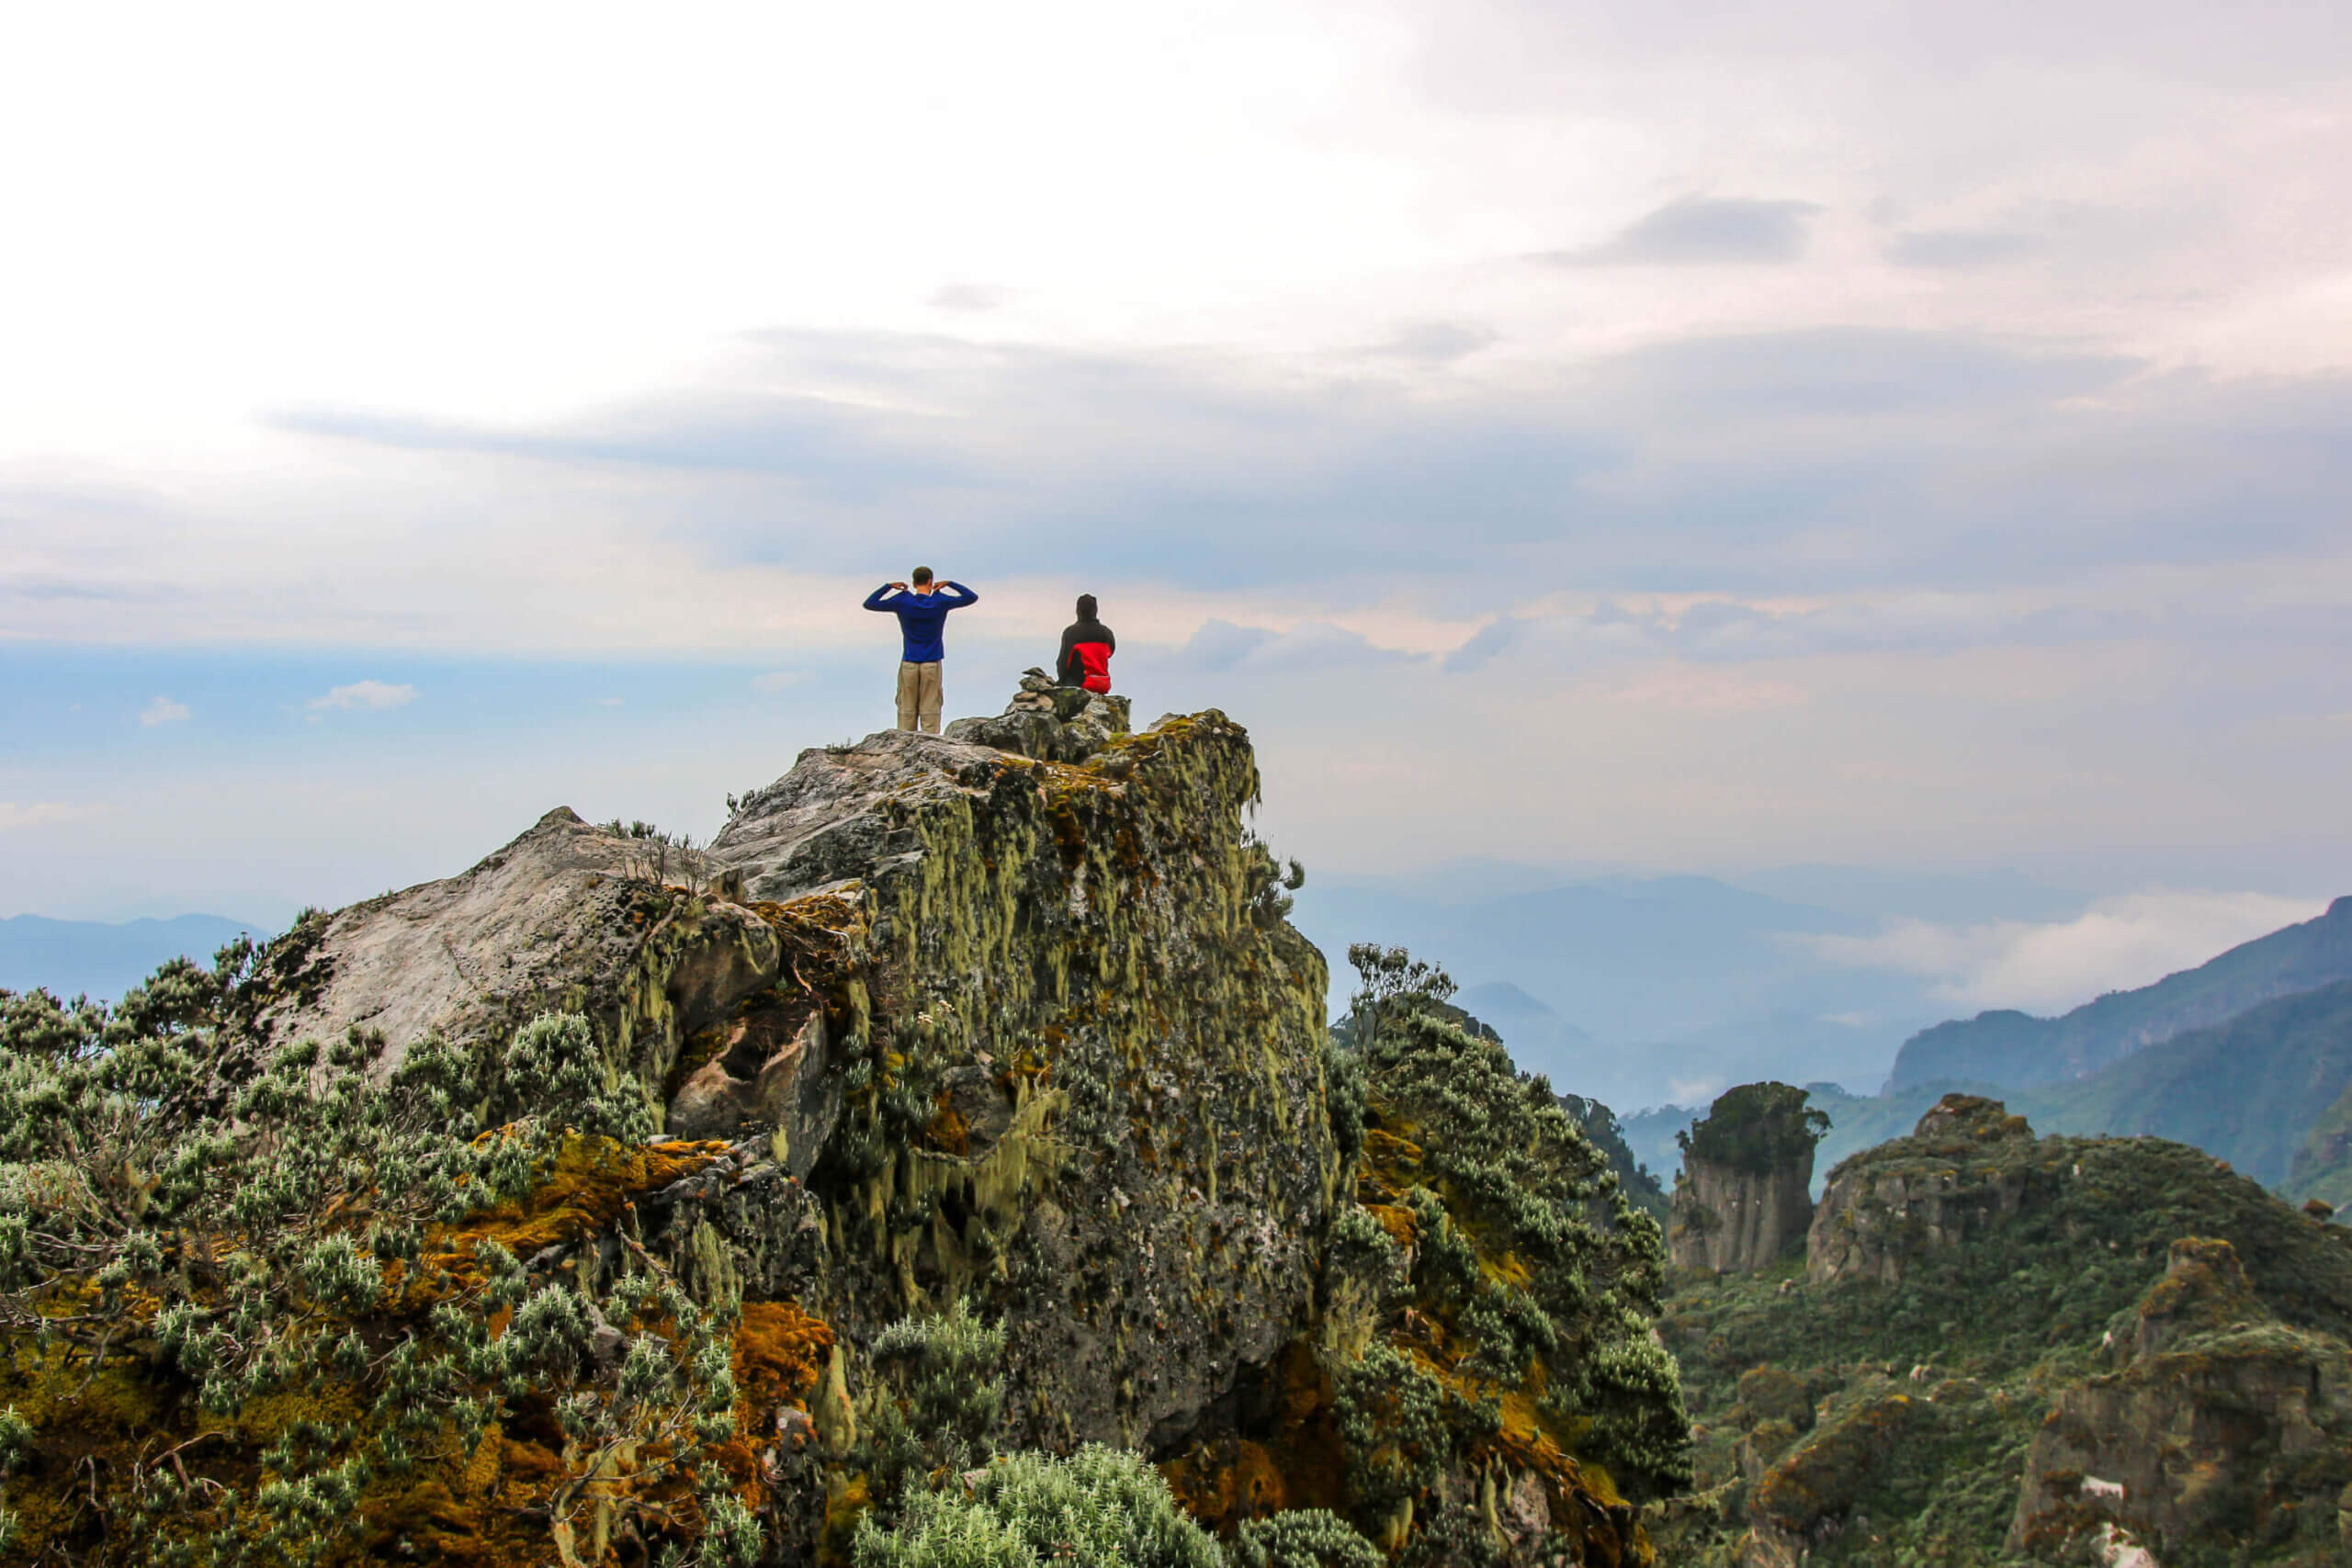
1600 1125
228 1237
1757 1127
1103 1507
939 1391
1302 1538
1502 1162
554 1064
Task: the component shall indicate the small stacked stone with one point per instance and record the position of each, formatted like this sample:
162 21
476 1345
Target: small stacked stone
1036 692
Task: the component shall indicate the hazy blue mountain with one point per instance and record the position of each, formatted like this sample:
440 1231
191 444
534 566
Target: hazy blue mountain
1538 1036
1944 898
73 958
2246 1090
1674 988
1650 1136
2263 1090
1626 959
2018 1050
1793 1045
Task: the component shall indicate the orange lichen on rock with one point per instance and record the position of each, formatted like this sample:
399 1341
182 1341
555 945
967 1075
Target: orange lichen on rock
947 1132
829 913
584 1191
779 1354
1225 1480
1397 1222
1299 1463
1391 1163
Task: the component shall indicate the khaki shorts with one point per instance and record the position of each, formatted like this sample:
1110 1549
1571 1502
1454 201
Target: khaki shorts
919 697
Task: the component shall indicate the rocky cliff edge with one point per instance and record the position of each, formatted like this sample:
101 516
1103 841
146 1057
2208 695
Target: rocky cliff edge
1011 1017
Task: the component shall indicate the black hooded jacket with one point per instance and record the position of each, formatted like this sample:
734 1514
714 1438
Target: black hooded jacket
1085 659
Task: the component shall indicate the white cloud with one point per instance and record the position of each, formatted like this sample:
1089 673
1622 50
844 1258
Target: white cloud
362 697
1170 399
778 680
1698 688
39 813
1695 1094
2116 944
161 710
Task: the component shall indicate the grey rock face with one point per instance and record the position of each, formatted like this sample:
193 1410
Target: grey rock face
562 918
825 822
1050 722
2223 1426
1725 1220
1102 1115
1880 1213
762 1075
1008 1023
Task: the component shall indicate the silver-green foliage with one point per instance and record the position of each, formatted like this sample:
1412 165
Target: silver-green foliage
1104 1508
263 1216
939 1390
1516 1170
555 1065
1302 1538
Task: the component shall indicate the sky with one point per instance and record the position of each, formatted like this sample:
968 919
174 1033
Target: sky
1656 438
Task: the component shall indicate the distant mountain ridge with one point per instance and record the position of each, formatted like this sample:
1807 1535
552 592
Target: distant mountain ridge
2020 1051
2247 1090
1635 991
103 960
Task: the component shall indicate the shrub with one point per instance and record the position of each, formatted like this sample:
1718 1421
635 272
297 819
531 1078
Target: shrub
1503 1171
1302 1538
253 1240
554 1064
1103 1507
1757 1128
939 1391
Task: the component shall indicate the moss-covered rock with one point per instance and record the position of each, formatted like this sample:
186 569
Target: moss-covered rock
950 1029
2226 1434
1745 1192
1981 1310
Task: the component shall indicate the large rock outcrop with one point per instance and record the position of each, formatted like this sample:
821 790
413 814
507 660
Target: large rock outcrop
2153 1339
1966 1169
568 916
2225 1430
1011 1017
1007 1015
1746 1192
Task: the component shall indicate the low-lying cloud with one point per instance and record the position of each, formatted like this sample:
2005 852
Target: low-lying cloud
1816 460
1221 646
2116 944
1702 231
38 814
361 696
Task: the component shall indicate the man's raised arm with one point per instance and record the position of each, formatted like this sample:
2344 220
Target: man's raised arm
968 597
875 601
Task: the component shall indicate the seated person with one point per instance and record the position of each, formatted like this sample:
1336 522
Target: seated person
1087 648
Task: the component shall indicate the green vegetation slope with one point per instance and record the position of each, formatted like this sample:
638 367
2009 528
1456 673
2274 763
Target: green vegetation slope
1878 1403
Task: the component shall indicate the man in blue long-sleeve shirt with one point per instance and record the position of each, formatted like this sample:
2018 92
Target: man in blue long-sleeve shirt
923 615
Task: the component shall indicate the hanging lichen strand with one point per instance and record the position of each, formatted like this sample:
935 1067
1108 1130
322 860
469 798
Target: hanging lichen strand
1012 1111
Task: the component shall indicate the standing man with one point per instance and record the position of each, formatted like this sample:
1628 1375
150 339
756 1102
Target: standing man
1087 648
923 615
